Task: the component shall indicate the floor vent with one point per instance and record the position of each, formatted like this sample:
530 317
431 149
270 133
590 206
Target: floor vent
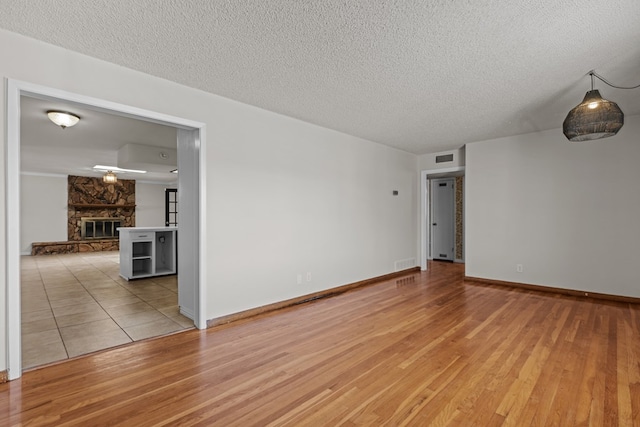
411 280
404 264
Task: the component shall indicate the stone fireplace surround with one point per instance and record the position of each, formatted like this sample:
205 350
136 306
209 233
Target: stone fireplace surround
90 197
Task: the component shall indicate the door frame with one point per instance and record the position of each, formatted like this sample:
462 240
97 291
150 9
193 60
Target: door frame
16 89
425 208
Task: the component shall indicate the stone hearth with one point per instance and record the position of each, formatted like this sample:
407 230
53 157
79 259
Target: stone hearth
72 247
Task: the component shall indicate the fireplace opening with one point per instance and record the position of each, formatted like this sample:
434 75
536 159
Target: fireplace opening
100 228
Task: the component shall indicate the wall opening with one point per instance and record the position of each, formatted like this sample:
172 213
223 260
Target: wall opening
193 144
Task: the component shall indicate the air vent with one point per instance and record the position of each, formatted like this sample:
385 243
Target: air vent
444 158
411 280
404 264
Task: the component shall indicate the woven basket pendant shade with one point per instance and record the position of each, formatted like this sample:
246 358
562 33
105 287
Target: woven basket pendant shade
593 118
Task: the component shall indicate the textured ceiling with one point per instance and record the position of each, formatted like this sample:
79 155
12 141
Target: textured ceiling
422 76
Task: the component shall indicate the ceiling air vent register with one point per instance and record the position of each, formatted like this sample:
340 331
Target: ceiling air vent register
444 158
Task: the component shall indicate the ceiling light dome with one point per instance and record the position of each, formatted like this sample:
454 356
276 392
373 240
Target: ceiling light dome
63 119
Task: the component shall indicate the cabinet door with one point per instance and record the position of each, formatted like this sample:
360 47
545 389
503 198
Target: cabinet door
125 254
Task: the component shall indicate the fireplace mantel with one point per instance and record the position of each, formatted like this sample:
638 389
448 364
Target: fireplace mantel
98 206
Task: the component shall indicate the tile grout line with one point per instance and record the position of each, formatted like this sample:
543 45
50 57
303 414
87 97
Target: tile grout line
98 302
136 295
69 267
53 313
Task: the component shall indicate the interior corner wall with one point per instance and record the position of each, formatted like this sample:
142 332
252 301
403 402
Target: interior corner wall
568 212
43 210
150 204
283 197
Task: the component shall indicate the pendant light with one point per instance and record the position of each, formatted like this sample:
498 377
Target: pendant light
110 177
595 117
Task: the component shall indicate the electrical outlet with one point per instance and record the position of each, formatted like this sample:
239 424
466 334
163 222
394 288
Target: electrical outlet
299 279
519 268
308 276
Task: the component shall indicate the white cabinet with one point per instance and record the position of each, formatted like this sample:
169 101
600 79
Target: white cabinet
147 251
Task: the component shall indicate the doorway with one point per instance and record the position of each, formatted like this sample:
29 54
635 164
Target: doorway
171 207
426 176
442 222
190 153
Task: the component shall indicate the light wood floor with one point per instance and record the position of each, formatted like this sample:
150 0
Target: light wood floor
428 349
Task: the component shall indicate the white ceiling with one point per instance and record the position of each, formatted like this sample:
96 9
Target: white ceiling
419 75
95 140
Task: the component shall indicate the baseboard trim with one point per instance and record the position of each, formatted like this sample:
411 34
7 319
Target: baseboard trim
562 291
306 298
4 377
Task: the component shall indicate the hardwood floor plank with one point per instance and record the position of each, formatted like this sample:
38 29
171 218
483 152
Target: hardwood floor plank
625 411
611 372
426 349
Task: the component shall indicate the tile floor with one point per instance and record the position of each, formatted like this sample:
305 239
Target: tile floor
77 303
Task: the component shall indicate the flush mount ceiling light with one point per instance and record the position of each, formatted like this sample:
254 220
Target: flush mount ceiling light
595 117
110 177
63 119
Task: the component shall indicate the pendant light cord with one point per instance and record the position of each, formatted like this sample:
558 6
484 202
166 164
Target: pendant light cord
594 74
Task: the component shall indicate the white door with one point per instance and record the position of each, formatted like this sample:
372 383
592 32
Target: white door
442 219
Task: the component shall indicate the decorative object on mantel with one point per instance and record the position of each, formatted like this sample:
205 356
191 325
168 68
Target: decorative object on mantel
63 119
110 177
595 117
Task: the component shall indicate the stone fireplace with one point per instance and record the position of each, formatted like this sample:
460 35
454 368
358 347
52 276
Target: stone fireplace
92 198
95 210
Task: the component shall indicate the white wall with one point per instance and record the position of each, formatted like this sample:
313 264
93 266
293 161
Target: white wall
283 197
568 212
43 209
295 199
150 204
